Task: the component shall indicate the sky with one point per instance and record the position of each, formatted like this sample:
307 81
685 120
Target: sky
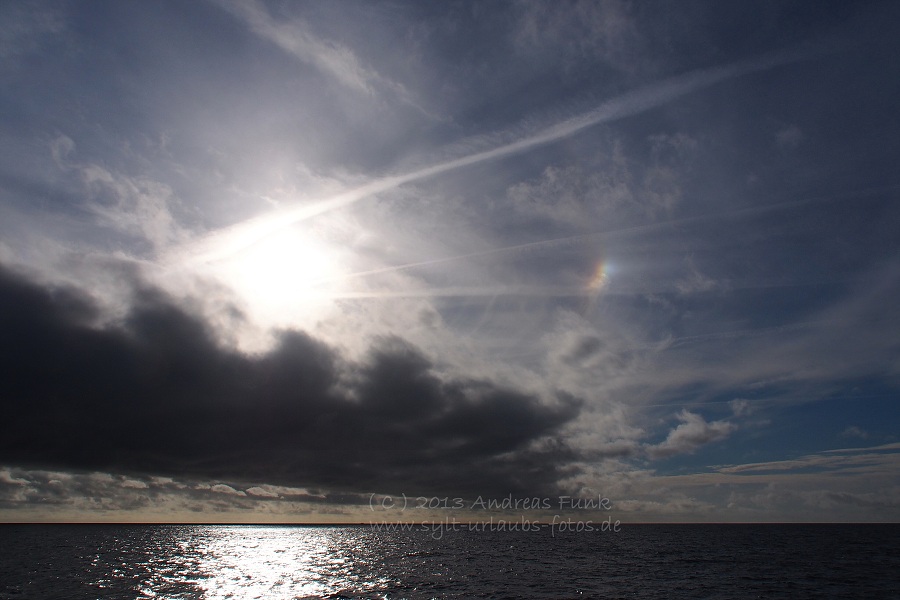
271 261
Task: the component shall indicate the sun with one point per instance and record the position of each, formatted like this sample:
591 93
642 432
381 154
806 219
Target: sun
279 276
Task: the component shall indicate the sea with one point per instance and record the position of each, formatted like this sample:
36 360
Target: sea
72 562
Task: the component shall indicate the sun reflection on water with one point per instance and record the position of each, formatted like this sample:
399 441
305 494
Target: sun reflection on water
268 562
244 561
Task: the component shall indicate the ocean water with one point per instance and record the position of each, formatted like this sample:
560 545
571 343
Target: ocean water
639 561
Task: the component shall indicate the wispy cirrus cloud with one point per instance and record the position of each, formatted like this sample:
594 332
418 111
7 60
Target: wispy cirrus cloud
24 27
295 38
333 59
859 460
575 31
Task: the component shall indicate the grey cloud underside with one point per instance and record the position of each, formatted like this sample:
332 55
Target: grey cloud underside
156 394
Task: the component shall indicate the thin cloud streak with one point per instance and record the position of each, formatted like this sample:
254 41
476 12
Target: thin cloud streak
466 292
549 292
297 41
612 233
330 58
228 241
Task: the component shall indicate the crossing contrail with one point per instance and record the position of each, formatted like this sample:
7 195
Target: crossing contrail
230 240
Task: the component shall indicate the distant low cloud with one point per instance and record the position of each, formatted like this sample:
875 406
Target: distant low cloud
8 478
221 488
261 492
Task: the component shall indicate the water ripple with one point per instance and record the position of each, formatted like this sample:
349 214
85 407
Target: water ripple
222 562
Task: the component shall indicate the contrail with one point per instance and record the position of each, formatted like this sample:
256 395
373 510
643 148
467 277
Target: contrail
525 291
612 233
743 333
464 292
230 240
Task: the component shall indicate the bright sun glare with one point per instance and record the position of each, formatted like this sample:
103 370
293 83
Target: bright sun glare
277 276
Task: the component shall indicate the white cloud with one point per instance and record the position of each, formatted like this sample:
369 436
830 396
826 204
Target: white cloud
696 282
693 432
854 432
581 31
134 484
25 27
8 478
740 407
60 148
577 196
138 206
610 188
261 492
221 488
296 39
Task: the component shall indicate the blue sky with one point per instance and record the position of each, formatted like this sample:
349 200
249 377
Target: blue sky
263 260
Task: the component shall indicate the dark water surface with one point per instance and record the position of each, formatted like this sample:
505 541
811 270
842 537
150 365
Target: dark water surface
640 561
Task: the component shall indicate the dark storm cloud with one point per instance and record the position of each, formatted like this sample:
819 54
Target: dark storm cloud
156 393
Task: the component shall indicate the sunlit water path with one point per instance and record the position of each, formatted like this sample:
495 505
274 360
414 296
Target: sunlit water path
653 561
